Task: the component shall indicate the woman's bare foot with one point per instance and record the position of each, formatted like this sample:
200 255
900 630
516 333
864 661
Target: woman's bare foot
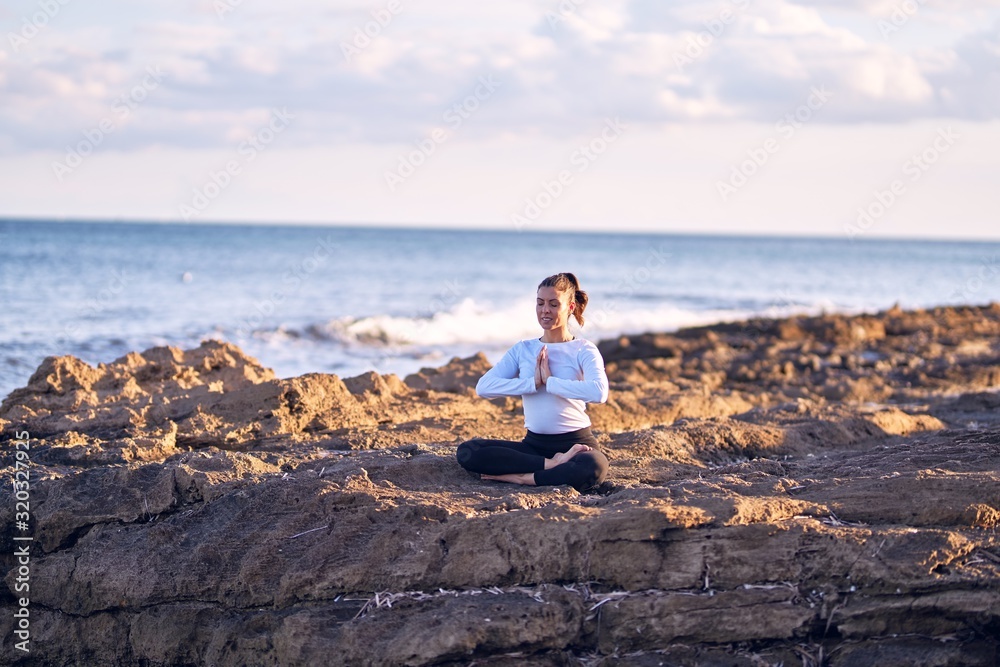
562 457
526 478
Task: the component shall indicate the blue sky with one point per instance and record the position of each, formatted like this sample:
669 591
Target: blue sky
857 118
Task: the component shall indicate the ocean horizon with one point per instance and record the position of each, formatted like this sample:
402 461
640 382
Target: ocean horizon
349 299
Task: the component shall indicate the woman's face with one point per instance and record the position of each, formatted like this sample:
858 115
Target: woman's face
552 308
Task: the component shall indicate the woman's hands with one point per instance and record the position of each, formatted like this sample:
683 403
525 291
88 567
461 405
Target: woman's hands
542 372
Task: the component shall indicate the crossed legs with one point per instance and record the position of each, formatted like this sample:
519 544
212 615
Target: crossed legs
580 466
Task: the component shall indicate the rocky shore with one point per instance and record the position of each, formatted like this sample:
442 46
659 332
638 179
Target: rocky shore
805 491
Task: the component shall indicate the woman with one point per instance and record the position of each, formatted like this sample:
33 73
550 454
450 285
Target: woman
556 375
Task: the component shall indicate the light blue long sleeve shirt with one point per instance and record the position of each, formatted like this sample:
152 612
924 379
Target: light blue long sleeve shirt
560 406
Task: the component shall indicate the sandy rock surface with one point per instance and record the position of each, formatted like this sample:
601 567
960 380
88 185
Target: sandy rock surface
807 491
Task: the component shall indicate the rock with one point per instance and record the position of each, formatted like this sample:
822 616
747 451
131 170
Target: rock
769 500
457 376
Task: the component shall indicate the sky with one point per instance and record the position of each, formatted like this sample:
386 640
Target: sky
849 118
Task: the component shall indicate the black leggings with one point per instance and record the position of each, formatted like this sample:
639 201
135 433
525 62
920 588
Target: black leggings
500 457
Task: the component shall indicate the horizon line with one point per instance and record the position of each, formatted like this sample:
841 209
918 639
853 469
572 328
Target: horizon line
437 227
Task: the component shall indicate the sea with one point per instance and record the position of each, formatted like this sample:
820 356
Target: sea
346 300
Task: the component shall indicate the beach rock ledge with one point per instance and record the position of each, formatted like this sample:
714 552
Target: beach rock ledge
805 491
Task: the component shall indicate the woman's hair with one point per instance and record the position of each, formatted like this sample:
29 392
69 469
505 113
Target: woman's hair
564 282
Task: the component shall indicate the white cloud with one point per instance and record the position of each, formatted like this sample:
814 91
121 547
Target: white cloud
651 179
749 64
886 7
598 60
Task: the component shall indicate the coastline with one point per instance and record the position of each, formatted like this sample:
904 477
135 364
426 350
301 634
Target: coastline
821 487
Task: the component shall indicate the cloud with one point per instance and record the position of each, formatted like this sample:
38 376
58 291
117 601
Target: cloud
885 7
563 67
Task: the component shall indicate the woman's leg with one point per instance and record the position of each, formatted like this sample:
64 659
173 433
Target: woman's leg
568 464
583 471
499 457
530 478
582 466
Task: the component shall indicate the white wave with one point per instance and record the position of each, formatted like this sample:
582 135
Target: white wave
465 322
475 323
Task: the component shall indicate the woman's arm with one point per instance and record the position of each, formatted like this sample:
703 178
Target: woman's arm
503 380
593 388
